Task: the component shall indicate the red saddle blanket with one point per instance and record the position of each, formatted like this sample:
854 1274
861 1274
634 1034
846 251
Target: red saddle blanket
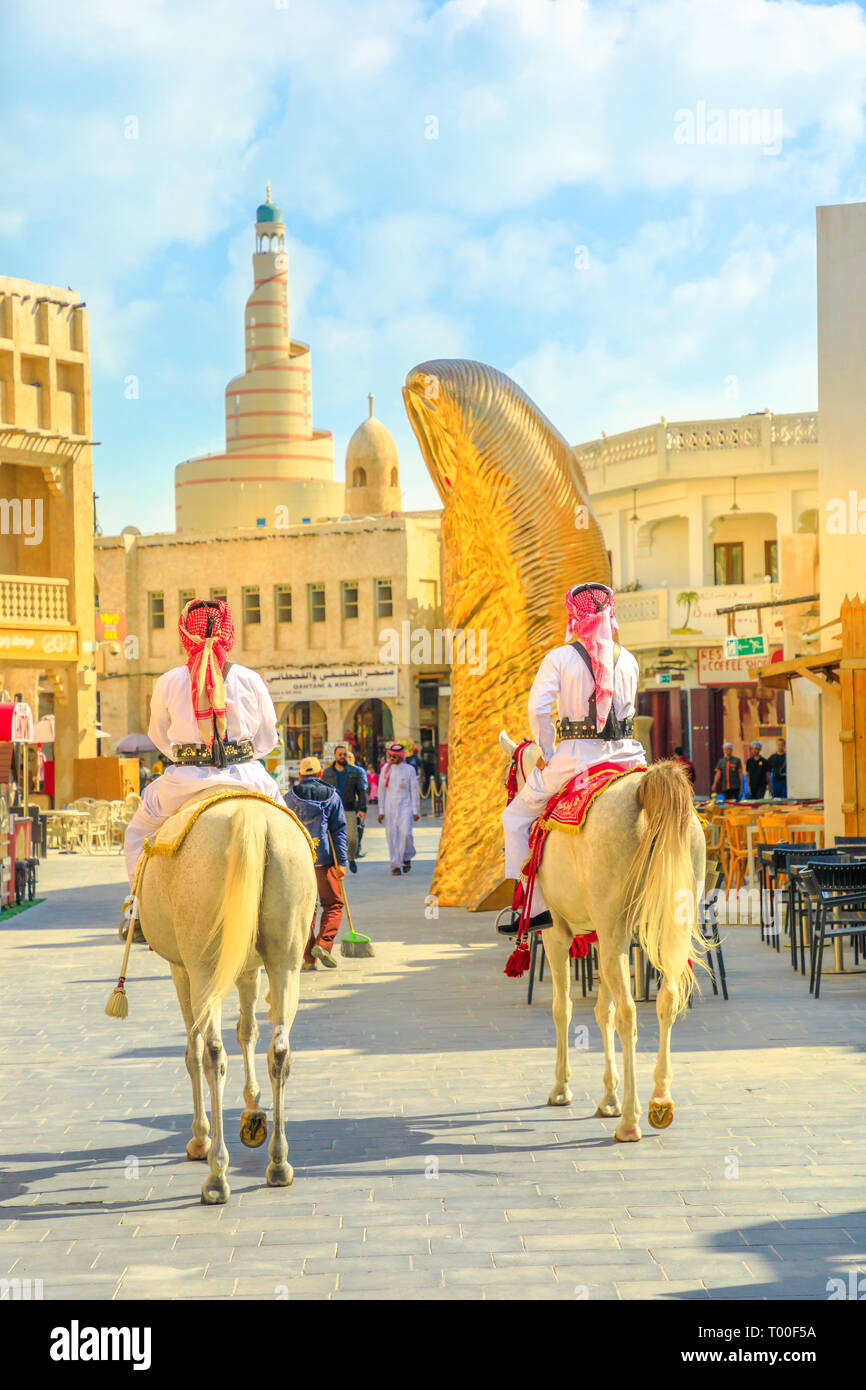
566 810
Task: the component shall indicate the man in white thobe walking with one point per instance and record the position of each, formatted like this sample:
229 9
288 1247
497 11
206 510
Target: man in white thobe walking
399 807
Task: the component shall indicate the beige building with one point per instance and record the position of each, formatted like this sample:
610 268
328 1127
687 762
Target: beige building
708 514
46 516
332 615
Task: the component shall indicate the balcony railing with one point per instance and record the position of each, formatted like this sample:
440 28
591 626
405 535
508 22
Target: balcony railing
34 600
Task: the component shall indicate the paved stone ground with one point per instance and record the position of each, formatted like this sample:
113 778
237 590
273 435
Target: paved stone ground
427 1162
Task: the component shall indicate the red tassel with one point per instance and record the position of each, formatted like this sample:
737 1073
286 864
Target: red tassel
518 962
581 944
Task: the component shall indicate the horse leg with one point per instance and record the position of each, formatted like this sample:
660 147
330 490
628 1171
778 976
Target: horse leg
254 1124
215 1189
615 969
200 1141
604 1008
660 1112
557 944
284 988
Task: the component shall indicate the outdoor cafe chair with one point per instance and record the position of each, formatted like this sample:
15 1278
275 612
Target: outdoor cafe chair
536 956
98 825
798 903
735 826
785 858
838 897
777 860
767 885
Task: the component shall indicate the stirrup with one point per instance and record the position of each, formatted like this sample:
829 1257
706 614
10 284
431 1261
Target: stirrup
509 927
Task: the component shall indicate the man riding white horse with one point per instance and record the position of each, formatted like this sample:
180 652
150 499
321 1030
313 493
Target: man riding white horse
593 681
212 718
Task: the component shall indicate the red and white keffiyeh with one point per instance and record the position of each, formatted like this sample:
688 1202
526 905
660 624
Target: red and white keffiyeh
590 609
207 632
393 748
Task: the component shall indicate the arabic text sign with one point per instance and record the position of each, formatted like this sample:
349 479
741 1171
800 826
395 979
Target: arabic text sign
335 683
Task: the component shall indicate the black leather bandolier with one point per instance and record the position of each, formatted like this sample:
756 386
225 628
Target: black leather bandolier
586 728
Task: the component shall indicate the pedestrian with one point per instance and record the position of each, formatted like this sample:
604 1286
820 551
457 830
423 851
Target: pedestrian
778 765
349 783
728 776
687 763
372 783
320 809
757 771
362 820
399 807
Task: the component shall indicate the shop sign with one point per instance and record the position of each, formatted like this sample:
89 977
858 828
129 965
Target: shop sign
335 683
715 669
57 644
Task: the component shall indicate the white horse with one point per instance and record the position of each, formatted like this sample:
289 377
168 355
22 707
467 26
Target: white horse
240 892
634 871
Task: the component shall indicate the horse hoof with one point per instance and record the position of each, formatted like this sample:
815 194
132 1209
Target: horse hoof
254 1128
561 1096
607 1112
197 1149
627 1134
660 1113
279 1175
215 1192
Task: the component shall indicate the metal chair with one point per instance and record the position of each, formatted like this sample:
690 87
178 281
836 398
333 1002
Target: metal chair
838 895
799 902
585 973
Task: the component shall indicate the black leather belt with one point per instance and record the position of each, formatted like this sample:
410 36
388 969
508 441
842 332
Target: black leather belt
585 728
196 755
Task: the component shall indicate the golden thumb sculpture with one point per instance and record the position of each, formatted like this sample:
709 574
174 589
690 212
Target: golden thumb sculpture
518 530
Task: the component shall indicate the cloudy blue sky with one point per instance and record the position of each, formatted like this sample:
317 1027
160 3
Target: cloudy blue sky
568 223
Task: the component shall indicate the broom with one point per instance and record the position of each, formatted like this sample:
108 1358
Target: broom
118 1004
355 943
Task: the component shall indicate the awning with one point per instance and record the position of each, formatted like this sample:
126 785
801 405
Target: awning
821 668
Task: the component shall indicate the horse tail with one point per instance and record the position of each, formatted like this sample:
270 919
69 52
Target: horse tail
660 889
233 934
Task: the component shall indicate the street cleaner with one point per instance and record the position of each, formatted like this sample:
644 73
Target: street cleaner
212 718
592 681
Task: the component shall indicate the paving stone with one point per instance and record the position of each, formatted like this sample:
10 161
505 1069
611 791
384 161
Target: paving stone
422 1060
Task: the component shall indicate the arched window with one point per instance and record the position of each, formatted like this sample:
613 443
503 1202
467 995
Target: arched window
359 478
394 477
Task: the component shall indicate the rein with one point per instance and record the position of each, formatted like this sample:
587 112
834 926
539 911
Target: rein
516 768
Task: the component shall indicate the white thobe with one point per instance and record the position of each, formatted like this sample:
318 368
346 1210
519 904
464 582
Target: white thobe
565 680
398 802
249 714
